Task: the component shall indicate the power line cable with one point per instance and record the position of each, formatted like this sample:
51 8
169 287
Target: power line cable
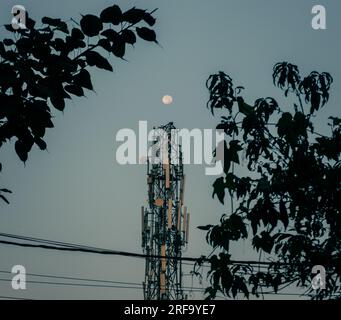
129 285
81 248
13 298
76 284
74 278
82 279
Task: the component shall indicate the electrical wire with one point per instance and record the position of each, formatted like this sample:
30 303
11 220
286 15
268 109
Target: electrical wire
76 284
136 284
90 285
81 248
14 298
124 285
65 246
74 278
127 285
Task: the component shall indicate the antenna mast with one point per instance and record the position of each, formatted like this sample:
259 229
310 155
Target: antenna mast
165 220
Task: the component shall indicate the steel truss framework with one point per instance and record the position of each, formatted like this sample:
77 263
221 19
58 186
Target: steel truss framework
165 221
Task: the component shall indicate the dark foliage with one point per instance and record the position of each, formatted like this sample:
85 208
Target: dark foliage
41 68
289 203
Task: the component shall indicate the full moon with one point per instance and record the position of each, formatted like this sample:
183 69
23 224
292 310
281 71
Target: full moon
167 99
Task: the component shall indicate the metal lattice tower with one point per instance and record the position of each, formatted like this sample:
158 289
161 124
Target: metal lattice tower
165 222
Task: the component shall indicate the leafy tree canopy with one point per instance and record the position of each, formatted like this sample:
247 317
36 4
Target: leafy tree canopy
41 67
285 196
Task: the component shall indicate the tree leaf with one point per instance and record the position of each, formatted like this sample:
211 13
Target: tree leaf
83 79
146 34
105 44
119 48
58 103
77 34
205 228
8 42
284 124
9 28
219 189
244 108
233 151
4 198
51 22
93 58
74 89
110 34
21 150
283 214
133 15
149 19
112 15
57 23
40 143
128 36
91 25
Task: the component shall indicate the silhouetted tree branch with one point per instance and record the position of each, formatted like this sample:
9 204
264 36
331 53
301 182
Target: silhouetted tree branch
43 67
289 193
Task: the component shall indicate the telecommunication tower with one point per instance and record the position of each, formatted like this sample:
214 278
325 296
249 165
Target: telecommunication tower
165 220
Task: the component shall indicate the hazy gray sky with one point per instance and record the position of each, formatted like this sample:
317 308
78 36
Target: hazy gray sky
76 192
